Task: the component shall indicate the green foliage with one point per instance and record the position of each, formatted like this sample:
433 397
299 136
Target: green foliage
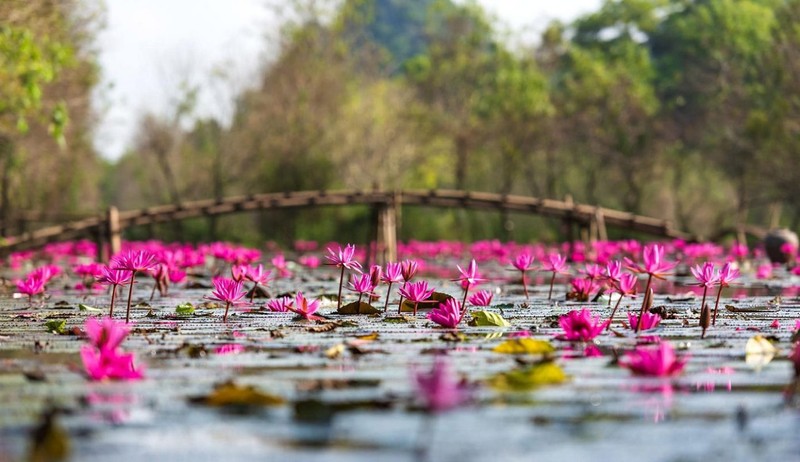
677 109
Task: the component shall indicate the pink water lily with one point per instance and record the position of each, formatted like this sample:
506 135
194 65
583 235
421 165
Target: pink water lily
447 314
523 263
624 285
481 298
30 286
229 292
556 264
102 358
343 258
650 321
393 273
580 326
659 361
304 307
416 292
281 304
134 261
114 278
727 275
654 266
361 284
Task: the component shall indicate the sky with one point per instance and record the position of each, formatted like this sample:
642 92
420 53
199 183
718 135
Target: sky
149 47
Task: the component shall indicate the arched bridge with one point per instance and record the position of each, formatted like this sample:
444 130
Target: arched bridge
106 229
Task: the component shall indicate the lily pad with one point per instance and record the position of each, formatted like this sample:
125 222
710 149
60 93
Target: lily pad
56 326
529 378
185 309
520 346
230 394
89 309
357 308
488 318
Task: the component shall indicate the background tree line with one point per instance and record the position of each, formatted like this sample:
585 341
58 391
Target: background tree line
681 109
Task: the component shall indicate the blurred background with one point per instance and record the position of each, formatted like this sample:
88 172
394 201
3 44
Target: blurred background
687 110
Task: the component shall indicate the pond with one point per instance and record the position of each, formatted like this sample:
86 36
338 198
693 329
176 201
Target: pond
342 388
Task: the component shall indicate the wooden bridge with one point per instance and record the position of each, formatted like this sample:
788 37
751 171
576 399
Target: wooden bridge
107 229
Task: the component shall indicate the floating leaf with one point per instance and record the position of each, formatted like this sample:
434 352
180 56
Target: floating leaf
488 318
89 309
56 326
335 351
49 441
185 309
521 346
397 320
752 309
758 352
357 308
368 337
529 378
230 394
429 304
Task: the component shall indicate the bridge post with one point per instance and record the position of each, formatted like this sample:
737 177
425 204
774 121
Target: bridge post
386 248
113 237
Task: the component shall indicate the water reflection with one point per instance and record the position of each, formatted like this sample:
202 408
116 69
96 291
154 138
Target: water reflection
654 399
111 408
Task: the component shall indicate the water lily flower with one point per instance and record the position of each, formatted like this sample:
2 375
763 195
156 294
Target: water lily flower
654 266
392 273
114 278
361 284
257 276
102 358
281 304
305 308
523 263
468 277
280 264
625 285
343 258
30 286
134 261
659 360
556 264
416 292
448 314
408 269
727 274
582 288
580 326
228 291
481 298
439 388
650 321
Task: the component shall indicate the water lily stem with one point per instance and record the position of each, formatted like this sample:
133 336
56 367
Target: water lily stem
130 296
339 297
388 292
225 316
644 303
716 305
552 281
464 300
613 312
113 297
525 286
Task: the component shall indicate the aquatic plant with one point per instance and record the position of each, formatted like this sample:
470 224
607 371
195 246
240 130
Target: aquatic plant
228 291
416 292
523 263
556 264
102 358
114 278
343 258
448 314
135 261
654 266
580 326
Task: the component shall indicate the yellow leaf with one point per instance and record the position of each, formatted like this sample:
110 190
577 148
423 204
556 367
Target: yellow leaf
230 394
335 351
525 345
758 352
368 337
529 378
